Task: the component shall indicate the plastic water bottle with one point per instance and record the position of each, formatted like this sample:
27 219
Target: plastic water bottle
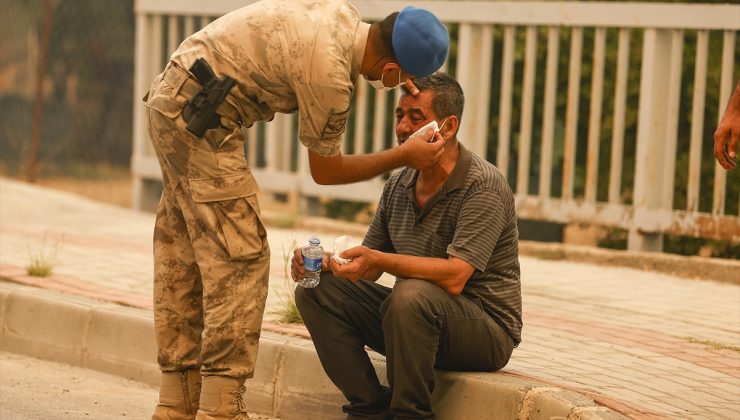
313 255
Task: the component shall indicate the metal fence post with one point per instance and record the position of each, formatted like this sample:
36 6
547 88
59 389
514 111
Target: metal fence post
474 74
147 187
652 163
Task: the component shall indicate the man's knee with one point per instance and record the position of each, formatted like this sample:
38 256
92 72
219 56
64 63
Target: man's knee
410 298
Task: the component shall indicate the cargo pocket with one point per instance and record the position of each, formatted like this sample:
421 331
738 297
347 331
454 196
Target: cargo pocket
165 96
231 203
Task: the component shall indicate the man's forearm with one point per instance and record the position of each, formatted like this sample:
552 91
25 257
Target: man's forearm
449 274
415 153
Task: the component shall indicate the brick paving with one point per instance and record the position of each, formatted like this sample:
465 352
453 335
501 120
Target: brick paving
648 345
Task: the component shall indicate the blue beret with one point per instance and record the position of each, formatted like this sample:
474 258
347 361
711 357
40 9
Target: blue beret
420 41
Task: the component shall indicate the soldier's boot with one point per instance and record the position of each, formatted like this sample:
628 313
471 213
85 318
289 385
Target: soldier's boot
179 395
221 397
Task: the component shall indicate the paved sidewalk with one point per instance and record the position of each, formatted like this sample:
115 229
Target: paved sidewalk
641 343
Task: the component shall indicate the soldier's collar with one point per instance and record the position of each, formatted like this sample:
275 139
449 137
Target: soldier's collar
361 34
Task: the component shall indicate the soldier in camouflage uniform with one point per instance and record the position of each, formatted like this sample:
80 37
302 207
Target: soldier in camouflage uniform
210 246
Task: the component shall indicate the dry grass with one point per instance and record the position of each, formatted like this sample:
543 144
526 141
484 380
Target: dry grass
117 191
288 311
712 344
43 261
117 188
39 267
112 184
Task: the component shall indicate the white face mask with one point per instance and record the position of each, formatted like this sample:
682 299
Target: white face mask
378 84
433 125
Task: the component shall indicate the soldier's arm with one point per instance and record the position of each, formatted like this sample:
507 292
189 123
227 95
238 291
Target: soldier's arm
344 169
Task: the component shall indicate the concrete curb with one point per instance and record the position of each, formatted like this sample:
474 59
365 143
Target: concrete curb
78 331
289 382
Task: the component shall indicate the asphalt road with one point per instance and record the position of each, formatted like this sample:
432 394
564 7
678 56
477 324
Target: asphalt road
34 389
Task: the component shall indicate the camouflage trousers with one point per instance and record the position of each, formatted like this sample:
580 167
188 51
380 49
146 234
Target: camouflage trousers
211 256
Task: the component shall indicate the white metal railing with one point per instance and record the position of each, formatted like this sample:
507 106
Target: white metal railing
550 188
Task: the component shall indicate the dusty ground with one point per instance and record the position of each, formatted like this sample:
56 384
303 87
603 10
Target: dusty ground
34 389
37 389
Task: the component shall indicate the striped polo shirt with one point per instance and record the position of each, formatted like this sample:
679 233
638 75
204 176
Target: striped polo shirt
472 217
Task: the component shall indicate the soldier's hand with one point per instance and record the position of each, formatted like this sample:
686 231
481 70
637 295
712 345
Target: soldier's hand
413 90
421 154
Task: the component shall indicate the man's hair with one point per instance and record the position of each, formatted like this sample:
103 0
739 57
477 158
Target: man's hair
448 98
385 34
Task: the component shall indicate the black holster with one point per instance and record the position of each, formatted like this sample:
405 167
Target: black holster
200 111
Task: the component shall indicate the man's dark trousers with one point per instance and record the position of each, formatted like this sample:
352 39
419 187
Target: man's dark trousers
417 325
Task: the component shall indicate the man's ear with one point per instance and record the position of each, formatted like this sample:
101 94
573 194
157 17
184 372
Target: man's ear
450 127
390 69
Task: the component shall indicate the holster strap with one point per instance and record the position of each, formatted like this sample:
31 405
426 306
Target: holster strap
191 87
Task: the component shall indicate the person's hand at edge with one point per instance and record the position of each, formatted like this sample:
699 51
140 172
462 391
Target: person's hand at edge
727 135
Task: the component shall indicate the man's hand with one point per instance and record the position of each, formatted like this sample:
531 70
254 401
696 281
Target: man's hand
296 264
726 138
421 154
362 267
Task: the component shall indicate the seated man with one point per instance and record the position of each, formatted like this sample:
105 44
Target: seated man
449 235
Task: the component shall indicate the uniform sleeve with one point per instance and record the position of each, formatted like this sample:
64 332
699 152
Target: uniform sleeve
323 114
480 223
